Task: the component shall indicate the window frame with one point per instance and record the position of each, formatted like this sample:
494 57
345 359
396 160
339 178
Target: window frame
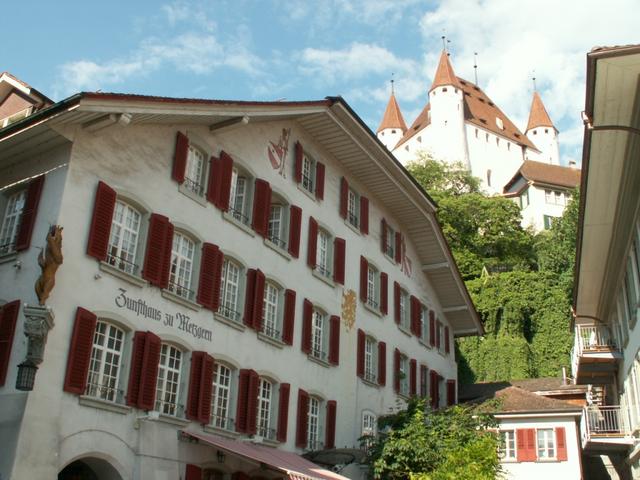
405 309
93 388
8 242
242 216
274 331
319 334
223 422
233 315
265 409
353 201
370 359
549 436
314 432
176 288
196 186
404 373
136 258
167 407
508 446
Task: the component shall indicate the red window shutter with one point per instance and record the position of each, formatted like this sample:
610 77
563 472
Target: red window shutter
432 328
320 181
79 357
561 443
360 359
521 445
297 170
213 182
398 247
249 297
447 340
158 254
344 197
423 380
307 313
226 172
364 215
210 271
435 389
29 213
383 235
451 392
339 251
295 226
206 389
8 319
261 207
252 403
289 316
100 230
302 419
312 242
396 370
396 302
283 412
149 373
258 301
384 293
334 340
382 363
243 396
195 375
330 438
439 325
530 445
192 472
413 372
135 373
364 272
414 314
180 157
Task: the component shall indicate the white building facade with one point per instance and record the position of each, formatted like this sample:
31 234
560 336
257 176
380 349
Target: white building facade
234 273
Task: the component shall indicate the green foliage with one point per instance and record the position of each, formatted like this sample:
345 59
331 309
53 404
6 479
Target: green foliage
442 178
444 444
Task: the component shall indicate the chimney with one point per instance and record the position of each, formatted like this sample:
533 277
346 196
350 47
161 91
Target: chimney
572 164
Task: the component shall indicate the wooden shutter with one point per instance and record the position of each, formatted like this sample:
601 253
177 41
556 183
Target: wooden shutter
561 444
192 472
334 340
252 403
432 328
297 168
100 230
258 301
382 363
249 297
423 380
8 319
29 213
213 182
149 372
289 316
396 302
435 389
180 157
195 375
396 370
361 346
413 376
302 419
451 392
295 225
312 242
364 271
439 327
398 247
344 197
364 215
80 351
226 173
414 313
319 181
339 251
135 372
383 235
283 412
210 273
307 313
241 407
447 340
261 207
206 389
521 445
330 438
157 260
384 293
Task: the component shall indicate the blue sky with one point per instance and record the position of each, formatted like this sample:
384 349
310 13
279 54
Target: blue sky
303 49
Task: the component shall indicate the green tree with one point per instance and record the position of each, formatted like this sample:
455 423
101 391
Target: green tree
442 178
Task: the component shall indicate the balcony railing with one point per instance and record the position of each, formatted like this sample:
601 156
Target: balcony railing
601 422
594 338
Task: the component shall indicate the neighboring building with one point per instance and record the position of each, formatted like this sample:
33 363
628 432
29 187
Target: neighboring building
606 352
236 276
542 191
18 100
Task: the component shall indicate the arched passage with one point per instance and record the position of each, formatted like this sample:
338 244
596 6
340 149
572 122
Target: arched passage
89 468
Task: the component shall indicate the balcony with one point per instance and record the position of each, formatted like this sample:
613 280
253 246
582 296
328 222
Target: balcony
606 429
595 355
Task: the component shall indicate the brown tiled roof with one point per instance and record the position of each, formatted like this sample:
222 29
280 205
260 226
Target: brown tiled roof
547 174
392 116
546 384
538 117
444 73
480 110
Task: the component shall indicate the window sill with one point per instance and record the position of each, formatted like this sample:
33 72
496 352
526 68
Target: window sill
180 300
391 260
237 325
127 277
273 341
221 431
321 277
425 344
405 330
373 310
245 228
309 194
192 195
170 419
270 443
94 402
319 361
352 227
8 257
404 396
370 383
283 253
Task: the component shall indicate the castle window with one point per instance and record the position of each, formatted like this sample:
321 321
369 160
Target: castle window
419 139
535 132
486 137
393 131
497 142
509 146
444 89
476 133
546 130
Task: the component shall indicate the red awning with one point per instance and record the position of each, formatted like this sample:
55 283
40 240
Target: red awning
296 467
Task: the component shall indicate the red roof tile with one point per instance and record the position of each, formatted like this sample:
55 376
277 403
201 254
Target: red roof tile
392 116
538 117
547 174
444 73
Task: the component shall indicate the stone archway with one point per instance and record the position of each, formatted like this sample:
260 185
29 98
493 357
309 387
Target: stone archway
89 468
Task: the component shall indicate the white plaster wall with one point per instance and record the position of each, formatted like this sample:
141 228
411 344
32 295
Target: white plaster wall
546 139
533 214
390 137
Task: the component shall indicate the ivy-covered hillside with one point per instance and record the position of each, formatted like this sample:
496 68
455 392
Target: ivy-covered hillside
520 282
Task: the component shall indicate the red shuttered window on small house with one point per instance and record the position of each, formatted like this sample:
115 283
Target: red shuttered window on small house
157 259
302 418
210 277
143 375
29 213
526 445
200 387
334 340
8 319
295 226
283 412
79 356
382 363
100 230
561 444
330 437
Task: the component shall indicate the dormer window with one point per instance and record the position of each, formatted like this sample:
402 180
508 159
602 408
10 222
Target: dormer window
499 123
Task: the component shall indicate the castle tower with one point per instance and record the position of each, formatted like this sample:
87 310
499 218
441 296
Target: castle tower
446 99
392 128
542 132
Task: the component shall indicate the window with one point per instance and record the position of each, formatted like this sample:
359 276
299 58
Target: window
308 173
124 238
11 221
373 287
271 309
182 259
548 221
440 337
318 328
403 306
489 177
104 368
313 422
168 384
15 117
424 323
195 171
324 258
546 441
369 429
554 197
373 281
230 290
404 375
239 200
508 445
370 364
221 398
276 229
389 241
524 199
265 396
353 207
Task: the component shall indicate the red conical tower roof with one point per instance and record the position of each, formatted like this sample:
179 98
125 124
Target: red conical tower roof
392 116
444 74
538 116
